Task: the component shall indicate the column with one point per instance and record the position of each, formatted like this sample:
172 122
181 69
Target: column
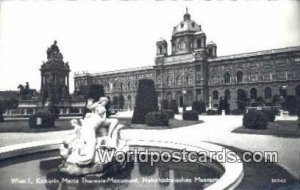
68 111
25 111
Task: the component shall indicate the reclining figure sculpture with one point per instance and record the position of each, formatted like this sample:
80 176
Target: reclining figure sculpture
91 135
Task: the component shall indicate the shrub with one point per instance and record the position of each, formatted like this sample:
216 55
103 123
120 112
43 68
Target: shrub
47 120
198 107
157 118
190 115
212 112
1 115
237 112
174 106
255 120
291 104
169 113
146 101
224 105
270 115
164 104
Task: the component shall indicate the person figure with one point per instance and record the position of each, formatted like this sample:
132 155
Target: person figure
104 124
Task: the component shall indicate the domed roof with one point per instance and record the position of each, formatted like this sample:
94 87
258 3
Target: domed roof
187 25
211 43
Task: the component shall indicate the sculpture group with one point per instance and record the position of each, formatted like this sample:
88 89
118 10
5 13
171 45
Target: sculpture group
91 135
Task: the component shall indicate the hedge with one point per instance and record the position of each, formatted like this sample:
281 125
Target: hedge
157 118
165 104
237 112
270 115
47 120
199 107
174 106
255 120
190 115
169 113
146 101
212 112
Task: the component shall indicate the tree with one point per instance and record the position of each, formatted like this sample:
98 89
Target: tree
241 99
260 101
224 105
291 104
298 109
174 106
165 104
146 101
199 107
1 114
276 100
115 102
121 101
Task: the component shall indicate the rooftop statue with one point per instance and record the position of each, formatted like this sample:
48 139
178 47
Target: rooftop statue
53 53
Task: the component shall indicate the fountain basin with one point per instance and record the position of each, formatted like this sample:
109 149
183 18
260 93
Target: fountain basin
228 175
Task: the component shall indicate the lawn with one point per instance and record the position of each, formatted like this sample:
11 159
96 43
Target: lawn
22 126
278 128
173 123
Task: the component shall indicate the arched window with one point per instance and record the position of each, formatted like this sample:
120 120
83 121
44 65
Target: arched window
128 86
169 81
115 86
121 86
227 94
198 43
226 77
178 80
215 95
189 80
239 76
182 45
268 93
253 93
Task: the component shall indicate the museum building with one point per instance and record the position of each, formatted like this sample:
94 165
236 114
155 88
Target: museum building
193 71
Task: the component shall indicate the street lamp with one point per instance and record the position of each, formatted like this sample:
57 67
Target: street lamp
184 100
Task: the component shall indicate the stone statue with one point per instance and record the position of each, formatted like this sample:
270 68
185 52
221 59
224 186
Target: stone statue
80 151
26 92
53 52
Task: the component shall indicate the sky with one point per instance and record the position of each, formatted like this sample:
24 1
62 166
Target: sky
98 36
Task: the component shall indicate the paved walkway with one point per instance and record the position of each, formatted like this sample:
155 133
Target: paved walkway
218 129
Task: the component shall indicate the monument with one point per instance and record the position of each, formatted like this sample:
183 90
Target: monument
54 77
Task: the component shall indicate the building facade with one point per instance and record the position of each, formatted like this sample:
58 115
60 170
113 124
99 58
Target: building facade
193 71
